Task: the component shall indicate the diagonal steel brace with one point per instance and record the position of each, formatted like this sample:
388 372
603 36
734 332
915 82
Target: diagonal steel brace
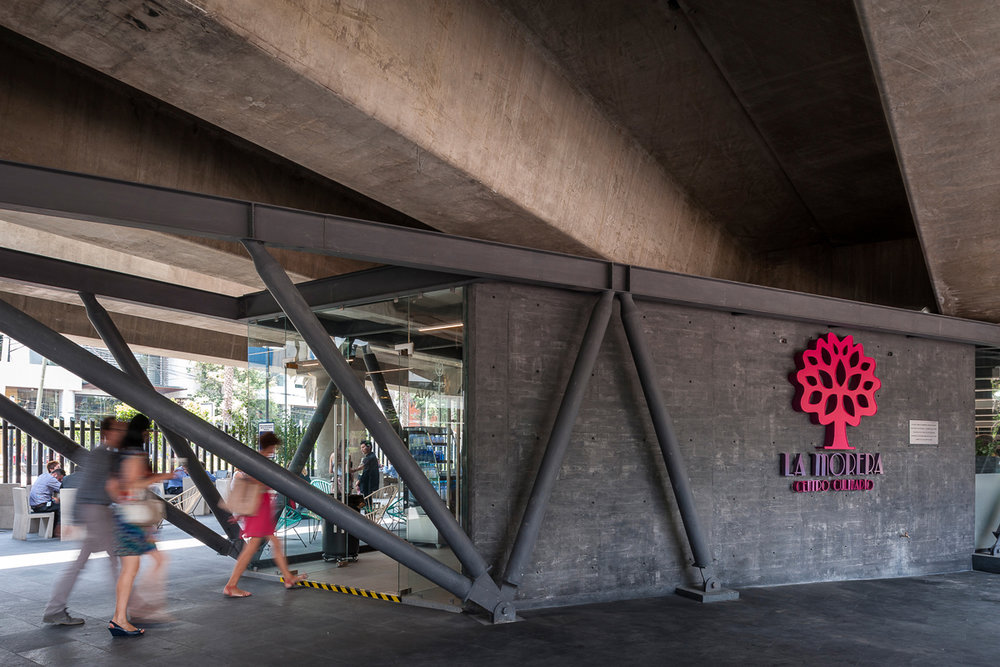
58 442
67 354
113 338
312 331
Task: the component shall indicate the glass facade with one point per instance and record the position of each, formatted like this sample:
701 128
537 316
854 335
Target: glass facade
93 406
27 398
408 353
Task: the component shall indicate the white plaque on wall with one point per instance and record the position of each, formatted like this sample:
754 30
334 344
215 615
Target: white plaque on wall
923 432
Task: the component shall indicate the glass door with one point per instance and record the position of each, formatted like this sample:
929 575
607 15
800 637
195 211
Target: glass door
408 353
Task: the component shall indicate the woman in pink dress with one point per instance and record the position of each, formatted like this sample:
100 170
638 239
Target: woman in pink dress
258 527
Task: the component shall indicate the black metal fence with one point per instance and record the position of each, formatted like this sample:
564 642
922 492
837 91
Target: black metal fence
23 458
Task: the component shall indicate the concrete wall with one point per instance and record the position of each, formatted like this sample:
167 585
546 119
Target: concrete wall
612 529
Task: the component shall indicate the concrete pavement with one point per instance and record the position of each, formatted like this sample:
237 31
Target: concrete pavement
930 620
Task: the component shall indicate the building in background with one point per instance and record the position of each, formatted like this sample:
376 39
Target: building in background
24 375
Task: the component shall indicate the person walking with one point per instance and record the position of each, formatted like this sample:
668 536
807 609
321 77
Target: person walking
93 510
130 479
259 527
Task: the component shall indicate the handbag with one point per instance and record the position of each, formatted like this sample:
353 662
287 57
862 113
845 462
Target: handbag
144 510
244 497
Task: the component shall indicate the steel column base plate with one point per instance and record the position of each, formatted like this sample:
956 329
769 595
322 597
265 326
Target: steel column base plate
701 595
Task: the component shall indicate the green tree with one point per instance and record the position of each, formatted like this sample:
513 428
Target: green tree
125 412
243 393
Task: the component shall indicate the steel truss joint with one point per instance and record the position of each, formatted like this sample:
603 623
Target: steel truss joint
487 595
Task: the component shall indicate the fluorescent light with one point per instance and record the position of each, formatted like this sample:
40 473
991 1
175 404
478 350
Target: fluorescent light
441 327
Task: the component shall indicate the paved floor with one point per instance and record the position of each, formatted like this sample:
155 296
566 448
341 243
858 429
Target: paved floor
949 619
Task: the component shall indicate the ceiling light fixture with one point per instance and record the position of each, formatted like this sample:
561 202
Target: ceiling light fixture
441 327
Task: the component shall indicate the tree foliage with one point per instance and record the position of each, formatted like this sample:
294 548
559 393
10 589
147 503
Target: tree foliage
248 405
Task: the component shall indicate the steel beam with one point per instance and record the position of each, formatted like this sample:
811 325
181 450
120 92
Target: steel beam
39 270
119 349
67 354
374 332
715 294
419 249
58 442
353 391
355 288
102 200
555 451
382 389
664 428
308 441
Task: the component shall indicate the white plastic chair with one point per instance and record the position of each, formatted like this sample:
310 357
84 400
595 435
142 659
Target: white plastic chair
23 516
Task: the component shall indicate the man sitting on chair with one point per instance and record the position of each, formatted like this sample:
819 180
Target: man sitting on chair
44 495
175 484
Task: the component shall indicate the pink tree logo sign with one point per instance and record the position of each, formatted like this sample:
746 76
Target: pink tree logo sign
837 385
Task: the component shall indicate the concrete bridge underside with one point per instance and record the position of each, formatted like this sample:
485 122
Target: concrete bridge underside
833 148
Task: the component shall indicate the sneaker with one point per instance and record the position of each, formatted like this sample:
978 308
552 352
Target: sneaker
62 618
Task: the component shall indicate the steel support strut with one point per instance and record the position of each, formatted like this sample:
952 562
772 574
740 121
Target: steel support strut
58 442
119 349
484 592
382 389
555 451
308 441
78 361
664 428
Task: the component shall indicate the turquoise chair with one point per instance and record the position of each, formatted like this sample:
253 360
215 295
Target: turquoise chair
327 488
395 514
288 520
323 485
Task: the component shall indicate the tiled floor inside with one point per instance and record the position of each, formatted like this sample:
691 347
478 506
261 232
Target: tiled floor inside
371 571
375 572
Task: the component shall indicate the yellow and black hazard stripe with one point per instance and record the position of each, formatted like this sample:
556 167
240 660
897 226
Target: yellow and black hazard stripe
347 590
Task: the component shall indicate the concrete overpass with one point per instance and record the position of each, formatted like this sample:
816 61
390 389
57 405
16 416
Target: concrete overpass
834 149
827 147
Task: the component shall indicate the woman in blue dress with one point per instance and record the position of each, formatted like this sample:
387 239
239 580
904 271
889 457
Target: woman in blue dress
130 479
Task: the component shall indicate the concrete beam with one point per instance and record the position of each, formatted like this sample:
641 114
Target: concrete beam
60 114
143 335
139 252
445 112
154 313
890 273
936 65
